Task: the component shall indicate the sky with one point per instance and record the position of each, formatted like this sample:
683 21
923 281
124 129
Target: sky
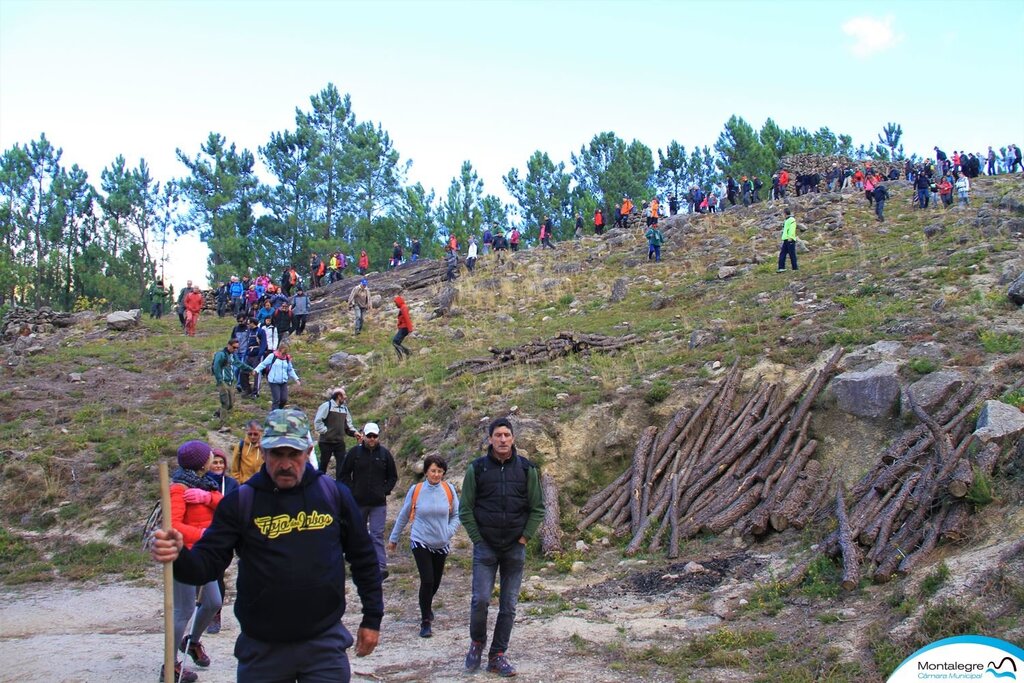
493 81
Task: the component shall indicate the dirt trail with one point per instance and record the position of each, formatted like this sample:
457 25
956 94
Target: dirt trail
113 632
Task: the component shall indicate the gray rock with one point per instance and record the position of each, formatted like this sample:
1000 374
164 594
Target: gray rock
933 230
932 390
869 393
75 377
701 338
346 361
931 350
867 356
1016 290
124 320
458 334
726 272
999 422
620 289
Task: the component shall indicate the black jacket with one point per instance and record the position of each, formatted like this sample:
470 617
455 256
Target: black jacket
292 550
370 474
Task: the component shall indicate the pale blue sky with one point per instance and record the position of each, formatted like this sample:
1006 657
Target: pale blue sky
493 81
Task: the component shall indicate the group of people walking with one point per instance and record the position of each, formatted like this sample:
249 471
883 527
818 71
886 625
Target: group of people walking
294 529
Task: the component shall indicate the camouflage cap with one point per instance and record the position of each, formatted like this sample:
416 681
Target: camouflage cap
286 427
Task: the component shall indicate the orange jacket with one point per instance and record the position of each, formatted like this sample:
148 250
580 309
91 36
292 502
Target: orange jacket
784 178
598 217
191 519
194 302
364 260
404 321
627 207
654 208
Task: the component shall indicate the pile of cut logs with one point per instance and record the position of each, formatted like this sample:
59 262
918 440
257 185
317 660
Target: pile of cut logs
739 463
536 352
913 497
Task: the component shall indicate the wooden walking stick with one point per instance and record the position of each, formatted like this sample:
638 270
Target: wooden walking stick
165 524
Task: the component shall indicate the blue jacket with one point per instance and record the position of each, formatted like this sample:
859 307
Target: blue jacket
236 290
292 549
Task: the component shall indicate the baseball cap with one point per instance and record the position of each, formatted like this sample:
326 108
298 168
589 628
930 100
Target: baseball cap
371 428
363 281
286 427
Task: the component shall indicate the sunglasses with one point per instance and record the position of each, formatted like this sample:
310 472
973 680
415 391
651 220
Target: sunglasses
370 436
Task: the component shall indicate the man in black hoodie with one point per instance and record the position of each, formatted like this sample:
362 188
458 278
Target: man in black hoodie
293 529
369 471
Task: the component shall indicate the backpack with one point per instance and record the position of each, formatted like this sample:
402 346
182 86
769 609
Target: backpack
246 493
416 494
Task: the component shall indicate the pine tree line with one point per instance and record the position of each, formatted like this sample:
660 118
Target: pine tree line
338 183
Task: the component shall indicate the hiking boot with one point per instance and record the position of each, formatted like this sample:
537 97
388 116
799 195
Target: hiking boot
180 676
425 631
214 626
476 649
196 651
499 664
384 574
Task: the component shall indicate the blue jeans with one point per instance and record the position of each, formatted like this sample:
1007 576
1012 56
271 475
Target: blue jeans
319 660
922 199
487 563
654 250
360 312
375 517
879 207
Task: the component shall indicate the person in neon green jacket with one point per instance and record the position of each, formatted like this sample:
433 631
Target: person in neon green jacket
788 242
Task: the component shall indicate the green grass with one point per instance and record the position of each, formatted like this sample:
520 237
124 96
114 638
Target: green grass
92 559
923 366
933 582
999 342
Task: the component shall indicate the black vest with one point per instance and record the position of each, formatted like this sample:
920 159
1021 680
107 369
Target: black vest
502 505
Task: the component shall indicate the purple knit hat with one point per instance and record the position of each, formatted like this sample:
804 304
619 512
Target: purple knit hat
192 455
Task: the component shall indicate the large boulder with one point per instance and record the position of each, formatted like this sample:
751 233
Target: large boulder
999 422
869 393
620 289
867 356
1016 290
932 390
124 320
347 362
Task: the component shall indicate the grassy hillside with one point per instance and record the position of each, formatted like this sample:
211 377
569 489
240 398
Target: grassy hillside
77 459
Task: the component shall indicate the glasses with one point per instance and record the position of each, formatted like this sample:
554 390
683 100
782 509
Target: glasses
253 433
369 436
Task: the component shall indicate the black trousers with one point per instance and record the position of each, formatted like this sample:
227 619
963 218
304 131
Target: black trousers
328 451
430 566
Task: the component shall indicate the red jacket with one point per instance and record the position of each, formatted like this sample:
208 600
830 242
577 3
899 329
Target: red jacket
784 178
598 217
364 260
404 321
191 519
194 302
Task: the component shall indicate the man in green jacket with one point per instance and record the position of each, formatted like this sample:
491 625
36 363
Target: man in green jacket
223 367
788 242
501 507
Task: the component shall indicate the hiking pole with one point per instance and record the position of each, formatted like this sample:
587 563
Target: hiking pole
165 524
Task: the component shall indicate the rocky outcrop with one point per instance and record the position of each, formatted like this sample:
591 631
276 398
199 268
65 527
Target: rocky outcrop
124 320
932 390
20 322
999 422
1016 290
871 393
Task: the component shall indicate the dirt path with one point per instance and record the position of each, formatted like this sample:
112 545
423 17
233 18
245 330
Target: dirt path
113 632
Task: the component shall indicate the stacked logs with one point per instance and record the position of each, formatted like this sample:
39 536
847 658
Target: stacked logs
536 352
739 464
912 498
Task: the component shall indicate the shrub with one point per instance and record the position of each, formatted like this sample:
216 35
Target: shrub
923 366
658 392
999 342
